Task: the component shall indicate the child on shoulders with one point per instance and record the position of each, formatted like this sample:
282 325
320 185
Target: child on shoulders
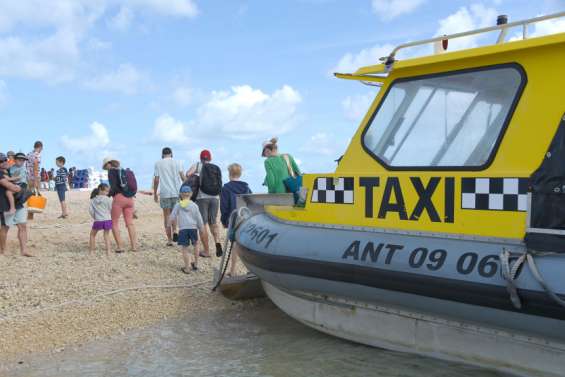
100 211
189 221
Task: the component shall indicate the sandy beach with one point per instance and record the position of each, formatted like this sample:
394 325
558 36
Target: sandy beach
60 299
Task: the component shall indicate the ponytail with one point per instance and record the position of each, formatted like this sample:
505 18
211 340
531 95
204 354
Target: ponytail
94 193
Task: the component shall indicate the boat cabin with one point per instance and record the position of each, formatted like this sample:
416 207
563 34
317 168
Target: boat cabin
466 144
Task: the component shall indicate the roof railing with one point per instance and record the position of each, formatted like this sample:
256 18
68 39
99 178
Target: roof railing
502 25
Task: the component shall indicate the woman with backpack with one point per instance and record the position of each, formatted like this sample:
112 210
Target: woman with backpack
123 188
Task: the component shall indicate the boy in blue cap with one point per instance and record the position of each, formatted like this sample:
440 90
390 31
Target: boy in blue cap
188 219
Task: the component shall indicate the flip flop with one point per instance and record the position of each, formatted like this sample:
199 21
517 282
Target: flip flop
119 251
183 269
204 255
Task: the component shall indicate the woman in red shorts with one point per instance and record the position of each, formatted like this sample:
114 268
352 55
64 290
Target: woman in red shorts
121 205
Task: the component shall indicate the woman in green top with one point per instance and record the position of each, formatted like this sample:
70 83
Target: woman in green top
277 168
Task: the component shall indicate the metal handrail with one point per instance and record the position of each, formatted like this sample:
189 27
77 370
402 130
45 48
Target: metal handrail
389 60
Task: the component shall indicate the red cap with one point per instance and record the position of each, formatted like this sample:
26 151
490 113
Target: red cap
206 155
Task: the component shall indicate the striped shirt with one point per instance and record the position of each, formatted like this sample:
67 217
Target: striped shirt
61 177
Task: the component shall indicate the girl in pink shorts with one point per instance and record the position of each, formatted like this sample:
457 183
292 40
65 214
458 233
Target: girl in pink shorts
100 211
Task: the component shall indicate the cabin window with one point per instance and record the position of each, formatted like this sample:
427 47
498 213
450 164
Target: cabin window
448 120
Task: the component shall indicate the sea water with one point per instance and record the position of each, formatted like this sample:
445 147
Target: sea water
250 340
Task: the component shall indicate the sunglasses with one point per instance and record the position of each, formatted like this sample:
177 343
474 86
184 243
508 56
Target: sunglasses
3 160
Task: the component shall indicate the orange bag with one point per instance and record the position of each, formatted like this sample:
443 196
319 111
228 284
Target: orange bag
36 203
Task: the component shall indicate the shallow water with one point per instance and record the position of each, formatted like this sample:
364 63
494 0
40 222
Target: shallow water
256 340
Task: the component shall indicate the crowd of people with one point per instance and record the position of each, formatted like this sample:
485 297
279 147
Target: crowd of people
191 201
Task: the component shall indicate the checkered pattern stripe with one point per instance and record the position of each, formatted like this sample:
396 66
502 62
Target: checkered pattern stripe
333 190
494 194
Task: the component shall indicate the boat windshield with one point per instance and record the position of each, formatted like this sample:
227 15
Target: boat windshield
448 120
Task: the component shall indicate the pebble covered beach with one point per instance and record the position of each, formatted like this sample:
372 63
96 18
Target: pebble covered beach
64 297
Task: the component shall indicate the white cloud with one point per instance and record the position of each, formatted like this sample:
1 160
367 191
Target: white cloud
122 20
178 8
3 93
182 95
465 19
126 79
245 112
389 9
95 142
350 62
355 107
323 144
61 30
169 130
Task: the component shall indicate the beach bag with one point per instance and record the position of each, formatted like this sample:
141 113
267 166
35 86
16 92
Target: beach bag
128 183
294 181
36 203
211 179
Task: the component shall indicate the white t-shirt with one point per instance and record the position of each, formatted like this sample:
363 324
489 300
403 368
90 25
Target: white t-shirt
201 195
168 171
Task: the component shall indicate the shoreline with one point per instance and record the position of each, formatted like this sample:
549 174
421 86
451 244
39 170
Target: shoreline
64 297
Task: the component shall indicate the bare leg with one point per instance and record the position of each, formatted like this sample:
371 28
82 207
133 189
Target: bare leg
107 242
204 237
3 237
215 233
196 254
22 237
92 242
186 258
168 229
11 202
132 236
64 211
116 234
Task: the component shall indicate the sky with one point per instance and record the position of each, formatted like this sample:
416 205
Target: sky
96 78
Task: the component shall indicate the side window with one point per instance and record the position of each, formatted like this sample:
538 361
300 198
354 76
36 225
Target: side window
452 120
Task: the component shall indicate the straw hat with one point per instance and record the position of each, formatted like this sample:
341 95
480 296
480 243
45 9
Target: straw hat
107 160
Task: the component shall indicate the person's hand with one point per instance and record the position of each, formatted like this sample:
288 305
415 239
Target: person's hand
156 198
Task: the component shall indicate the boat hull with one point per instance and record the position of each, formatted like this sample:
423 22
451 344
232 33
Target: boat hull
406 331
319 276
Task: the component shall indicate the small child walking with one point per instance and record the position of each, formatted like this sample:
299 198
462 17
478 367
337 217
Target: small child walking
100 211
189 221
61 185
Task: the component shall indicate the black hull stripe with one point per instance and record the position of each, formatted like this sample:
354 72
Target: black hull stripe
480 294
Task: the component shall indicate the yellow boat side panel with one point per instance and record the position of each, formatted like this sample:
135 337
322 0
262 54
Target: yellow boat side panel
426 200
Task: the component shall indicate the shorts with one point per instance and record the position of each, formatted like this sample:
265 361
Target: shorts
102 225
20 217
187 237
168 203
122 205
61 190
208 209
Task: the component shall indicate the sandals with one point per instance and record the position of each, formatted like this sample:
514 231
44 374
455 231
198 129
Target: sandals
119 251
183 269
203 255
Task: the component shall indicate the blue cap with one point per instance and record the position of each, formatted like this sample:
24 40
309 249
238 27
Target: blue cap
185 190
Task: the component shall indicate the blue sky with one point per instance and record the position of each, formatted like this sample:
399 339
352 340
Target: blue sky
96 77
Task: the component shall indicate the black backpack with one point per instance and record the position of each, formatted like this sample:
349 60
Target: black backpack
210 179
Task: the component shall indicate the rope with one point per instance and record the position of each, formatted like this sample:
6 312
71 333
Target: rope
104 294
509 273
237 217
